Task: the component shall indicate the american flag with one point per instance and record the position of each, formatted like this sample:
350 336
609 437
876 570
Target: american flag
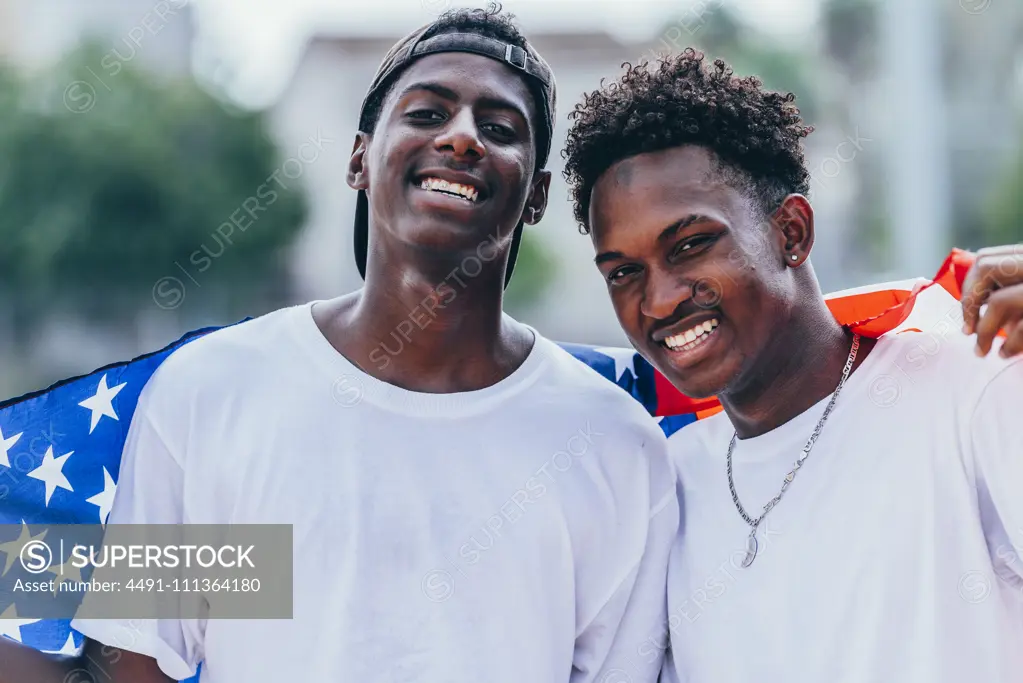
60 448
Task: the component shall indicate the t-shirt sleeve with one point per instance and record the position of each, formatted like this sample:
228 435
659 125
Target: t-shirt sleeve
996 443
615 646
150 491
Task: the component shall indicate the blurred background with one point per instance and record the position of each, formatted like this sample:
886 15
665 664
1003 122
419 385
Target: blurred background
171 164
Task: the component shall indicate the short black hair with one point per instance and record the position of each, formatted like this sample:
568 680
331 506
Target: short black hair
755 134
492 22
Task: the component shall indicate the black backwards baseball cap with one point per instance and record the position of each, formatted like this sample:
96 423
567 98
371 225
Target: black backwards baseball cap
534 69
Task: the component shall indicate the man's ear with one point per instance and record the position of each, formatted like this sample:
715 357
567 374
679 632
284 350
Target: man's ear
536 205
794 229
357 170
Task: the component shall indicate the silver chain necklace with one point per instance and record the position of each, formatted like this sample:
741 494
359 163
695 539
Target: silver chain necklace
751 542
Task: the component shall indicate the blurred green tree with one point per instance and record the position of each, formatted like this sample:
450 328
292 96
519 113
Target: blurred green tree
719 34
110 184
1003 214
534 271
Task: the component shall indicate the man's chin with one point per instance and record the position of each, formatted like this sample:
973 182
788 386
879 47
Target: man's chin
706 379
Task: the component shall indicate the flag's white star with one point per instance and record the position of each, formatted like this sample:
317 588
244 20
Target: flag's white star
69 647
102 403
5 447
105 498
50 473
624 360
12 549
10 623
65 573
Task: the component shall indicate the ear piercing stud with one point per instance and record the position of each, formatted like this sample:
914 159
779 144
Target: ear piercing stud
794 257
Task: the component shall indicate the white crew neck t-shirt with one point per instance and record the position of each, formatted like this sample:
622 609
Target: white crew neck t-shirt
894 555
516 533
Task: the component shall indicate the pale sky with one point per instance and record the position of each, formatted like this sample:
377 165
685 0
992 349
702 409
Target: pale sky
260 41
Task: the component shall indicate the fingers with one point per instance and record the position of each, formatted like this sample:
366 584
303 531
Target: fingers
976 290
1004 308
1013 344
993 269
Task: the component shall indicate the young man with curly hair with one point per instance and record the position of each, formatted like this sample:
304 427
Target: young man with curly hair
459 513
829 533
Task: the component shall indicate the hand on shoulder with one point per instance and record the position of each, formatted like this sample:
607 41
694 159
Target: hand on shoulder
995 280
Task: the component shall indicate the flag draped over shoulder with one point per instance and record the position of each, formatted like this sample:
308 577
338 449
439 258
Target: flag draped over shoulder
60 448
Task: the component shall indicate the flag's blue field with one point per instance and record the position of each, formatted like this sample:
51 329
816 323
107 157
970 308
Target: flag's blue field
60 452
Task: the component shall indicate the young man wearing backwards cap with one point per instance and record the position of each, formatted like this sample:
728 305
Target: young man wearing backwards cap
458 513
855 512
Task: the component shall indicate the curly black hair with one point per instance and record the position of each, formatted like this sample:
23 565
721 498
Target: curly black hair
755 134
492 22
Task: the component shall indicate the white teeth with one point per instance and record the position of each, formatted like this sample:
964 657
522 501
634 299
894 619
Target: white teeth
693 337
465 191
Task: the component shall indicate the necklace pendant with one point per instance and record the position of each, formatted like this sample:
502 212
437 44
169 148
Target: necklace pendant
751 549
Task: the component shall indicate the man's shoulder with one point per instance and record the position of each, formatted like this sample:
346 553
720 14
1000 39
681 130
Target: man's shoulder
255 337
581 386
224 358
944 362
626 437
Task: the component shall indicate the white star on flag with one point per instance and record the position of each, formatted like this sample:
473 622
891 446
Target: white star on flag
105 498
65 573
12 549
102 403
624 360
50 472
10 623
5 446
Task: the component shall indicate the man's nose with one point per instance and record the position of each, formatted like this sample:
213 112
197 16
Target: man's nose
662 295
461 136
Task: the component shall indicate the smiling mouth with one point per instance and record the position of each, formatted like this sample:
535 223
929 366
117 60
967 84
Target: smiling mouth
693 338
466 193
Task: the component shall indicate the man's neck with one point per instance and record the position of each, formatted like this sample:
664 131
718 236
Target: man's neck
427 335
802 367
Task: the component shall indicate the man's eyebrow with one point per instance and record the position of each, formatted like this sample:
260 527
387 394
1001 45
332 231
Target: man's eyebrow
666 234
436 89
682 224
490 102
608 256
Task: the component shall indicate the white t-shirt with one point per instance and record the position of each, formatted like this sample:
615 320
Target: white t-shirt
895 554
516 533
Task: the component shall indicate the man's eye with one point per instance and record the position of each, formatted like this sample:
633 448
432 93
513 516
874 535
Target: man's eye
425 114
497 128
618 275
692 244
